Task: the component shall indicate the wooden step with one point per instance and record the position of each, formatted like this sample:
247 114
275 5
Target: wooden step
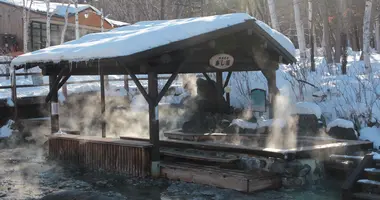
346 157
239 180
372 170
192 156
368 182
366 196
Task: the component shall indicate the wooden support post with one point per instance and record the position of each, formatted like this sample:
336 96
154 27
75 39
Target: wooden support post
102 101
154 123
126 83
225 85
54 112
14 94
273 91
219 85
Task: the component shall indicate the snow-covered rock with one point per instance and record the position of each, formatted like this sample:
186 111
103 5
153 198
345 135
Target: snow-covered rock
342 123
372 134
307 108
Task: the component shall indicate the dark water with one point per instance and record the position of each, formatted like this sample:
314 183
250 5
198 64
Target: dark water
145 189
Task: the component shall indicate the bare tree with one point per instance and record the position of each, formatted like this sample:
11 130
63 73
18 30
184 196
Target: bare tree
311 32
76 20
338 32
101 20
344 38
66 21
48 19
367 35
326 31
273 15
26 17
377 27
300 29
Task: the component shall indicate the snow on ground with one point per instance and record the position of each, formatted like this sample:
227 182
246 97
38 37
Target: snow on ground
342 123
372 134
6 130
139 37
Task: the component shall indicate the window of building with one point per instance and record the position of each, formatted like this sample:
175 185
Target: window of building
38 35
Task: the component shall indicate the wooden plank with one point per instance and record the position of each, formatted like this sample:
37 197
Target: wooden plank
219 178
197 157
366 196
355 175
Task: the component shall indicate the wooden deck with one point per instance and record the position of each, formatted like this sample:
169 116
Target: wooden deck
306 146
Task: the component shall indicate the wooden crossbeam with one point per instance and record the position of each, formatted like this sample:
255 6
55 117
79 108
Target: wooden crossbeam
227 79
137 82
169 83
54 87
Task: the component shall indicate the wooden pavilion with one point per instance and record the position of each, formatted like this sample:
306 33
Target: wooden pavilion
242 46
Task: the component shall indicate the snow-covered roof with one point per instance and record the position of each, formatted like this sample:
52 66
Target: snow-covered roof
58 8
142 36
116 23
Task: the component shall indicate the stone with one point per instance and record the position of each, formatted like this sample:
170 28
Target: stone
342 133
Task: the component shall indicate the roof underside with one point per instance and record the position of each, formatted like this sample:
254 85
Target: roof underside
240 40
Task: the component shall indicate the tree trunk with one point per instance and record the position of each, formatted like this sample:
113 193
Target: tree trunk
25 27
377 32
311 32
77 36
345 33
300 29
101 20
162 13
338 31
273 15
48 18
344 55
326 32
66 22
367 35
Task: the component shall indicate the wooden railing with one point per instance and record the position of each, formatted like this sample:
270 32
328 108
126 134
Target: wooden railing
348 185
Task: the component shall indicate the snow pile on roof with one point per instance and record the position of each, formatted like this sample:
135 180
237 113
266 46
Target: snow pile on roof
307 108
6 130
372 134
116 23
56 8
136 38
342 123
279 37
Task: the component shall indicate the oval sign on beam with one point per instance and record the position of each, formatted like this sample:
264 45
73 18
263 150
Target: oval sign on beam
222 61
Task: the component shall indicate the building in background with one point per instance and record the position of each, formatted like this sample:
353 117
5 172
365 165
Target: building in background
11 24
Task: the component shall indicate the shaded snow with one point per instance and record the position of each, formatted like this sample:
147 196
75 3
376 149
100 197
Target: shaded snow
372 134
6 130
342 123
367 181
138 37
